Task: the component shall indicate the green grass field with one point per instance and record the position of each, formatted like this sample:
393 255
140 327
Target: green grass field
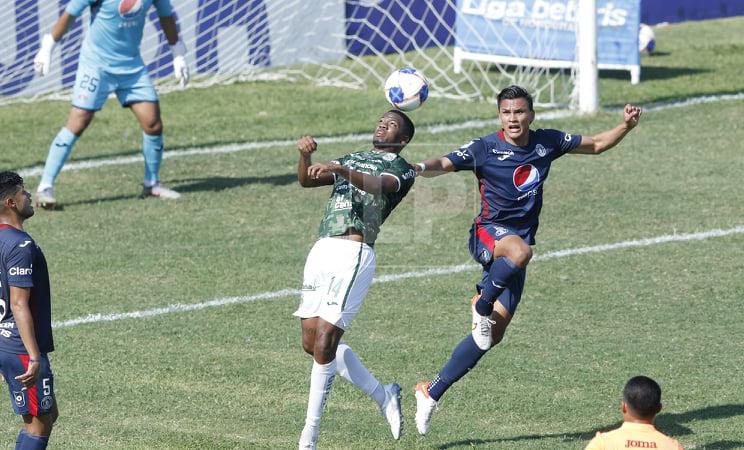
235 376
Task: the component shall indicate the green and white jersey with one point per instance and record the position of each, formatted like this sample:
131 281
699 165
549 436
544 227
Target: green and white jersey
350 207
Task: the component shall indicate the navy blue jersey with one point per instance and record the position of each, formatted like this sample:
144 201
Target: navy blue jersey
511 178
22 264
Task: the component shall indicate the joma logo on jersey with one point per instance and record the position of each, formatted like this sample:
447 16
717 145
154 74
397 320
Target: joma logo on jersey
503 154
639 444
15 271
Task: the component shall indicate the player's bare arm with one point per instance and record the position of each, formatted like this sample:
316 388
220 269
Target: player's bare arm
19 298
306 145
433 167
63 24
180 68
605 140
368 183
168 23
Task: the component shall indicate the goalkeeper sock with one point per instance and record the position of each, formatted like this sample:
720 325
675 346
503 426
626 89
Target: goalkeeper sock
464 357
58 152
501 272
152 150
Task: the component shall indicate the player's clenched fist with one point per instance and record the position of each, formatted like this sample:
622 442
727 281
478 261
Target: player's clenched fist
631 115
307 145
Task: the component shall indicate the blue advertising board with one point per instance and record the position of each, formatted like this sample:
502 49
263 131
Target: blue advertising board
546 29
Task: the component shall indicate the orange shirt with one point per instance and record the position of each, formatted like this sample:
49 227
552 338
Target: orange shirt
633 436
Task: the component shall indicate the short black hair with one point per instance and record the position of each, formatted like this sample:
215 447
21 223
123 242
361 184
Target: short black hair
408 128
514 91
643 396
9 184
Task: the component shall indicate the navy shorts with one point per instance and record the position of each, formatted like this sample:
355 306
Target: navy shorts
480 244
35 401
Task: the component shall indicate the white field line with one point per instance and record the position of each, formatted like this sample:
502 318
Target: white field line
36 171
181 307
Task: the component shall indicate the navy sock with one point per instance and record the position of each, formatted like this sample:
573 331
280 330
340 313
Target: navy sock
19 440
501 271
464 357
27 441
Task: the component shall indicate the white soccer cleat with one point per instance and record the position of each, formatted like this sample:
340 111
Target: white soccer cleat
45 198
391 409
160 191
481 327
425 407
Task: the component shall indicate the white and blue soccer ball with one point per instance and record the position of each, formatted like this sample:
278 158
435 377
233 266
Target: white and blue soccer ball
406 89
646 39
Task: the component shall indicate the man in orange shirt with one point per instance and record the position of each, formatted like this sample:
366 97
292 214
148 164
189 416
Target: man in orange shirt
641 403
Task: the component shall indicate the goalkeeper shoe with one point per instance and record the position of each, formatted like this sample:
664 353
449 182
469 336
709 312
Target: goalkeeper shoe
160 191
391 409
481 327
425 406
45 198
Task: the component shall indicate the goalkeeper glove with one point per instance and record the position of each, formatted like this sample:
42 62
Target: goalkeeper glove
180 68
43 59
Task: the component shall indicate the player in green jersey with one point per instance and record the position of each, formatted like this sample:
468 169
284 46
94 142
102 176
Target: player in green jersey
367 186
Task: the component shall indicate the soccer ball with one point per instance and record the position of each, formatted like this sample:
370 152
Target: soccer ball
406 89
646 39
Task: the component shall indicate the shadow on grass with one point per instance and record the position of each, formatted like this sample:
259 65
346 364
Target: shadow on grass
671 424
214 184
652 73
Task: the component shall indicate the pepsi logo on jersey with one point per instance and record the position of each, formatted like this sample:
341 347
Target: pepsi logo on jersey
526 177
129 9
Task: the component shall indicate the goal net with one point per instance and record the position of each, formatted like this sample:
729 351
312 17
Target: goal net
348 43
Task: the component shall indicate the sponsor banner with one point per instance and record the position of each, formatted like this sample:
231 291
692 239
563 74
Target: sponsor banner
386 26
222 37
546 29
653 11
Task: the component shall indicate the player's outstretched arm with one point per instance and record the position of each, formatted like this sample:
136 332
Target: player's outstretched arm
433 167
306 145
605 140
178 49
43 58
19 298
373 184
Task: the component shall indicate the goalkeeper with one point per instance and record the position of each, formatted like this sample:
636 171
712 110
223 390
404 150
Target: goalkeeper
110 61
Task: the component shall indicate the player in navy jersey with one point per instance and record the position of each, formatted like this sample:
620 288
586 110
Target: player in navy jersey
25 318
511 166
110 61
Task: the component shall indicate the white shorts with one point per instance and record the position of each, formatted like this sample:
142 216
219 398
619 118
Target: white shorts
337 276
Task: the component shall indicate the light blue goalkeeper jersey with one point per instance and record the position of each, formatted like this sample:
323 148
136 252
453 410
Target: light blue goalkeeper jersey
115 33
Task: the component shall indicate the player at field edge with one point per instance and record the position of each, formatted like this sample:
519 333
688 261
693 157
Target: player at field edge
367 186
511 166
640 404
25 318
110 61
